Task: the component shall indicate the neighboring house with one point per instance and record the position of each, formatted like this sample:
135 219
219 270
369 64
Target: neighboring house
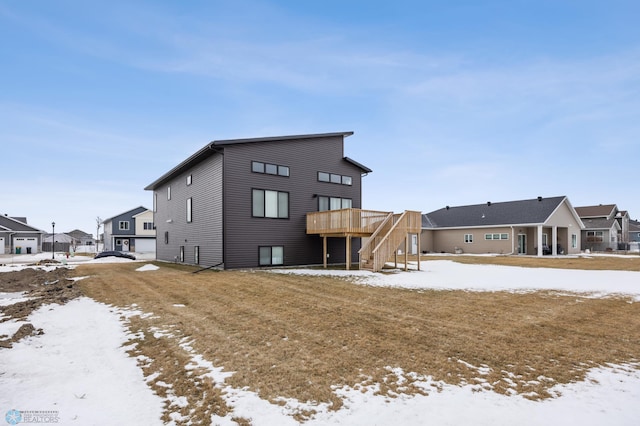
634 231
16 236
132 230
61 241
606 227
81 238
244 202
535 227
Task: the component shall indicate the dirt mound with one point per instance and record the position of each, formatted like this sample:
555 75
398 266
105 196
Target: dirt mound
30 279
42 288
25 330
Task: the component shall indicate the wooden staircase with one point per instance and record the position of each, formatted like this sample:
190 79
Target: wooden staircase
385 230
387 238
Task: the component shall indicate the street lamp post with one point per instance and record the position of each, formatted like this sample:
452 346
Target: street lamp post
53 240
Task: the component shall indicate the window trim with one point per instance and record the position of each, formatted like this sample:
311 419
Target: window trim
501 236
468 238
126 227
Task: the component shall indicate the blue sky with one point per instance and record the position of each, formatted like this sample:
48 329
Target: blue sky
451 102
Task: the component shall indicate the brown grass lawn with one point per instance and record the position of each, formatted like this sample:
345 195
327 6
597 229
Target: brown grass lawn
297 336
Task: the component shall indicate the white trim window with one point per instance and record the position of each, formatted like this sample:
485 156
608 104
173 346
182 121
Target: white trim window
123 225
468 238
496 236
189 210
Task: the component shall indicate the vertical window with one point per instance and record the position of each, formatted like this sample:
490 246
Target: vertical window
574 241
335 203
166 237
196 255
323 204
468 238
181 253
168 192
189 180
189 210
271 203
271 255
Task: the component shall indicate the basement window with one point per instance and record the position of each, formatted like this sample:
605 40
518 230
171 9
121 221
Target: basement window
271 255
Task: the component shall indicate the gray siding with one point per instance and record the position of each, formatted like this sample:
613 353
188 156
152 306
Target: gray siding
244 234
126 217
205 230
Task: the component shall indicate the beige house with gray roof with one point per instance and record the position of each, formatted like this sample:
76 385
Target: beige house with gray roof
528 227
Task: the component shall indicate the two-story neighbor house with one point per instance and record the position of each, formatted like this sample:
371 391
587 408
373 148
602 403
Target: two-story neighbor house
244 202
132 230
16 236
536 226
606 227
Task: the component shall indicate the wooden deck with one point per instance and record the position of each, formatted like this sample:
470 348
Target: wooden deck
387 229
345 222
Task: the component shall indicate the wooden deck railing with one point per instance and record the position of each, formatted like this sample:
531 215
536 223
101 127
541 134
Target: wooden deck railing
409 222
356 222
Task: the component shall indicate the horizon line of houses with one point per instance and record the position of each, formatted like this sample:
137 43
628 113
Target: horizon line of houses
297 200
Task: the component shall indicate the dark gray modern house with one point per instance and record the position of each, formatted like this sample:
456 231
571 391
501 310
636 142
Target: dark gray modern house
245 202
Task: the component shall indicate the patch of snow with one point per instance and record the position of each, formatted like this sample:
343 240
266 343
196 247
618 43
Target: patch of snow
148 267
77 368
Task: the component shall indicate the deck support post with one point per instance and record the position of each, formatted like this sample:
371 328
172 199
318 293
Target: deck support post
348 254
324 251
406 251
419 252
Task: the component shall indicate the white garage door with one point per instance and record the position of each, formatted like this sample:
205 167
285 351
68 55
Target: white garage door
145 245
1 245
26 244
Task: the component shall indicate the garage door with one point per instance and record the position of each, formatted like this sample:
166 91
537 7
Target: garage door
26 244
1 245
145 245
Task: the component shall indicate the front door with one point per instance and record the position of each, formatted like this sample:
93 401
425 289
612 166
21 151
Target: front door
414 244
125 244
522 244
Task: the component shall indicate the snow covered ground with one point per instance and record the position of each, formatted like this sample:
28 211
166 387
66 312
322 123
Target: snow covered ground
79 371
